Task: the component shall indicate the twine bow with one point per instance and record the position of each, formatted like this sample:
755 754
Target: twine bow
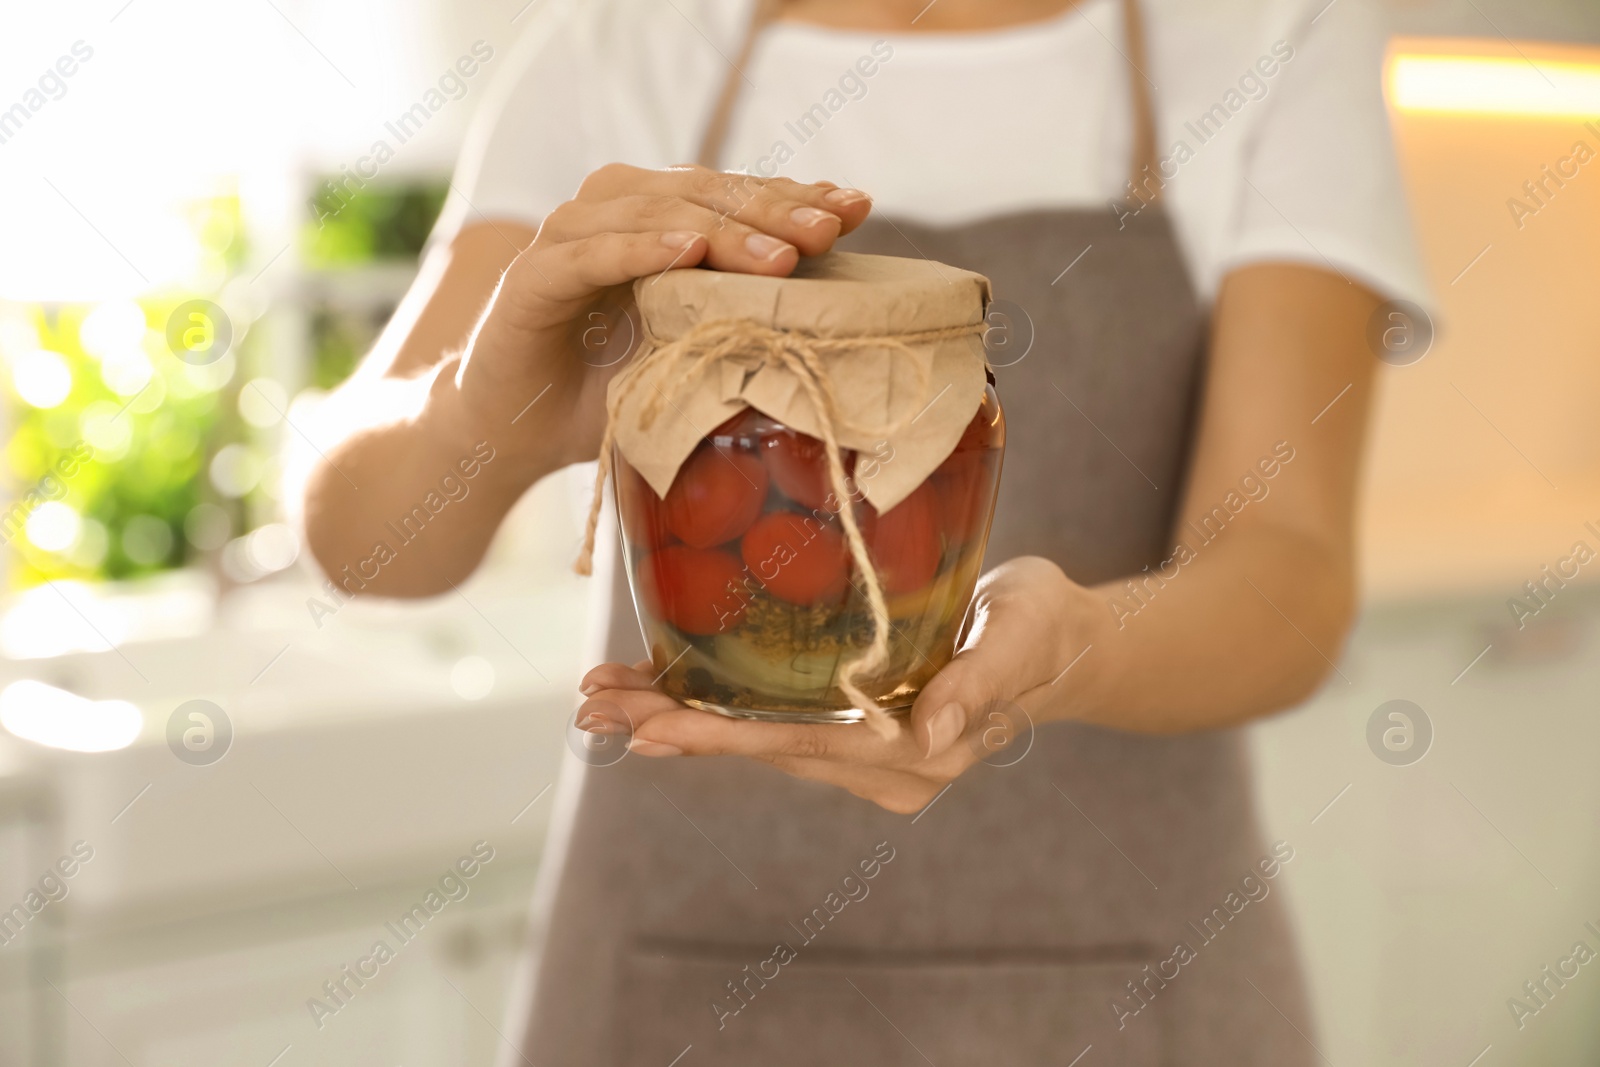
802 355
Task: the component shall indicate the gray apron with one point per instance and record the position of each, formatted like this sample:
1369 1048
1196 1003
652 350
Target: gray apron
718 910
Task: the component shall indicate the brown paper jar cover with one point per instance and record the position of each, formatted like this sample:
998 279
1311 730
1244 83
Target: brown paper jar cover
752 595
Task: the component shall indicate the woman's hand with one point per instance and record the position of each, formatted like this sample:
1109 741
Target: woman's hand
1029 623
556 319
503 348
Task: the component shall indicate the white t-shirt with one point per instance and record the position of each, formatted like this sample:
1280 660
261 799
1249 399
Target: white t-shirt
1270 120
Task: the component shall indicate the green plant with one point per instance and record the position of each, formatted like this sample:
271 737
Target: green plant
386 222
149 422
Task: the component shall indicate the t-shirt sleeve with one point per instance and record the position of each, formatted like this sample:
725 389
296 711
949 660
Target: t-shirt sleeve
590 82
528 147
1321 183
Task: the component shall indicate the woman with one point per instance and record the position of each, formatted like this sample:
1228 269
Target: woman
1193 216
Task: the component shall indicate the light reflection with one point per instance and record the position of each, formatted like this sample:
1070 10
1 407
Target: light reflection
56 718
41 378
53 526
62 617
112 327
1494 85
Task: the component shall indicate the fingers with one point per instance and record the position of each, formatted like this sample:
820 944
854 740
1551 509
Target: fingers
542 283
629 222
623 700
972 713
948 703
983 672
615 676
612 258
700 733
739 242
768 204
839 755
623 711
1012 651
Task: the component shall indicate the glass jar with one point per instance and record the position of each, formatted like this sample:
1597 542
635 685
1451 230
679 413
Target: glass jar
745 587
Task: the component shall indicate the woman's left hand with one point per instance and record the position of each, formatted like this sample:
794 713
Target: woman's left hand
1030 621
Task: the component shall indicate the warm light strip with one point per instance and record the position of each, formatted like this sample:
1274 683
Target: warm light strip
1494 85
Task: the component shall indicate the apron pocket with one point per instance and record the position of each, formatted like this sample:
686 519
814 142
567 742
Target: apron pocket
953 1010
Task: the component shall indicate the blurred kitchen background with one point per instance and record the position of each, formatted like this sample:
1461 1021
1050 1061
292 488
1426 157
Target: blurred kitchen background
203 152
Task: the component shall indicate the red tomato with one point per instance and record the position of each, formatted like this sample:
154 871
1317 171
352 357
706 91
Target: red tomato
904 541
716 496
700 591
962 482
799 464
797 558
642 519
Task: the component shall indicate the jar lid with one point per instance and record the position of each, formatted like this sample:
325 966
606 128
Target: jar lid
840 294
892 345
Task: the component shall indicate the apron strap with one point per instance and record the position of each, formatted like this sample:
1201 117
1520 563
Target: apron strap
1144 158
762 14
1143 162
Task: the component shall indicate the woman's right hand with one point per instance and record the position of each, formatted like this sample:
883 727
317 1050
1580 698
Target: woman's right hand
559 306
498 352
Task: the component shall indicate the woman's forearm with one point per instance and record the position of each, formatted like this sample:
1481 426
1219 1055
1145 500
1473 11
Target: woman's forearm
1250 616
1250 626
408 497
408 503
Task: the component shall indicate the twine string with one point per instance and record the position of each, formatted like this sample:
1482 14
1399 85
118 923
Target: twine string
711 343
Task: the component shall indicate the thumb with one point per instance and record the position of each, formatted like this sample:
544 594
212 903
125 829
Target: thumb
1009 642
948 704
971 696
986 716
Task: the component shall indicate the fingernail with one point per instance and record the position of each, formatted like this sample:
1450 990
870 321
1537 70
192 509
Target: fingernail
944 728
845 197
653 748
596 723
763 246
679 238
810 216
590 689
